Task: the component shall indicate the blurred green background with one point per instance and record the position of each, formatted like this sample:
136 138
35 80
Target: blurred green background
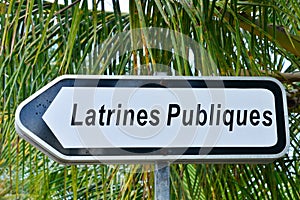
40 41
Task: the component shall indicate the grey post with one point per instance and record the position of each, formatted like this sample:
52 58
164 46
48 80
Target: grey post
162 171
162 180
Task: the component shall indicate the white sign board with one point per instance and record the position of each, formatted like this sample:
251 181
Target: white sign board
92 119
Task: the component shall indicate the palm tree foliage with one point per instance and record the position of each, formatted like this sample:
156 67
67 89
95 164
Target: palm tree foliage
40 40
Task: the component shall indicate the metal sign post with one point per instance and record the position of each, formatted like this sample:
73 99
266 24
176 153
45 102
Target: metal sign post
159 119
162 180
162 172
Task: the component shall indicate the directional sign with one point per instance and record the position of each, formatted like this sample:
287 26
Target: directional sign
120 119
